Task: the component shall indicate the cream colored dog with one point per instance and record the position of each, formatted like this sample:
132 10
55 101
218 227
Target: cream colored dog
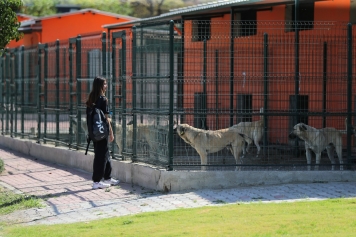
207 141
145 133
317 140
252 130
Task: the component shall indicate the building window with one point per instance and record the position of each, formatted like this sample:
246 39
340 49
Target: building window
201 30
244 108
245 23
306 15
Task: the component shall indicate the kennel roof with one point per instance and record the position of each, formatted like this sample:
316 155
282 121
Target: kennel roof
216 7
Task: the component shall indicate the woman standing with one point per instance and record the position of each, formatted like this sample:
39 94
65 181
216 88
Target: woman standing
102 164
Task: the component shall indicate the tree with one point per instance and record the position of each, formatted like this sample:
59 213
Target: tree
115 6
9 24
39 7
149 8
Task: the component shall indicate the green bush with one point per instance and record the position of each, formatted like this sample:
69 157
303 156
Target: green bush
1 166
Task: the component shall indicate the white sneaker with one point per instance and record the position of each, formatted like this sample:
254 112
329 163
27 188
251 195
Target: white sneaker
97 185
112 181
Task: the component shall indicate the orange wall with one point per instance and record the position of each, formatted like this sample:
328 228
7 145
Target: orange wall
248 67
70 26
13 43
65 26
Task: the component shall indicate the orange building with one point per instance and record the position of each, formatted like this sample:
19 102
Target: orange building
222 59
20 18
63 26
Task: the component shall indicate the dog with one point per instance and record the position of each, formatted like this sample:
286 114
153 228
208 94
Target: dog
353 128
83 126
317 140
208 141
145 134
252 130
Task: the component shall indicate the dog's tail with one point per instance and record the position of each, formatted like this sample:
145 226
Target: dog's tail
246 138
345 131
261 114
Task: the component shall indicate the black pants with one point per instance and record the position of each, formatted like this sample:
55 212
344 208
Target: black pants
102 164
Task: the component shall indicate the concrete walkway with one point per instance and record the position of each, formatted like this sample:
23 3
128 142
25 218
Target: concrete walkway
68 196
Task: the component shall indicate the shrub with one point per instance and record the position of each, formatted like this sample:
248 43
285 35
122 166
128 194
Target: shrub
1 166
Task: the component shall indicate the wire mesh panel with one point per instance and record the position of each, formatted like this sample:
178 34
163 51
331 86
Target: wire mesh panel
89 65
268 82
119 99
150 83
56 96
263 78
2 90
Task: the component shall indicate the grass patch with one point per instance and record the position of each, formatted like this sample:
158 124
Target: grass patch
10 202
333 217
2 166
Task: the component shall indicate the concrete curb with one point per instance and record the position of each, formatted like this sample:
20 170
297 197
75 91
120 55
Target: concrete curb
162 180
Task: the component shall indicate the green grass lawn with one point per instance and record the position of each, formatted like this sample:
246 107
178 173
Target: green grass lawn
10 202
333 217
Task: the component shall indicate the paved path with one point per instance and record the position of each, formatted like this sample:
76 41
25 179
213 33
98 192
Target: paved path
68 196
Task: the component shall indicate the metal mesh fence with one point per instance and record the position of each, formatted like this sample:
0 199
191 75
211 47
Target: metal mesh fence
263 78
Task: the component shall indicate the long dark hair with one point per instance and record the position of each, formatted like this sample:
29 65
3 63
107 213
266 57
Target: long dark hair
97 90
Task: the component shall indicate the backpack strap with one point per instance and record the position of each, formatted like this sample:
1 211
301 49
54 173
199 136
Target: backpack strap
88 140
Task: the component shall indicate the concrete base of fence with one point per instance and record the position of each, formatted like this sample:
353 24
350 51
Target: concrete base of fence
162 180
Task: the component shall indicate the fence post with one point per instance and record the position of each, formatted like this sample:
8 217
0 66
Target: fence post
232 42
2 78
204 99
22 90
325 55
123 74
265 87
134 92
349 89
171 93
103 52
57 92
79 87
39 102
71 93
15 64
113 84
11 92
45 90
7 81
158 84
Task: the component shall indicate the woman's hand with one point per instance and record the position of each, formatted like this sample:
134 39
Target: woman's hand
111 137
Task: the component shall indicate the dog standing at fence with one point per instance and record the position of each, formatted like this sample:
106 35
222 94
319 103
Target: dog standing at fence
84 127
252 130
209 141
317 140
146 133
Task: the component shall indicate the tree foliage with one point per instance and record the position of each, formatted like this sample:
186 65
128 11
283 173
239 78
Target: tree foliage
8 22
39 7
136 8
149 8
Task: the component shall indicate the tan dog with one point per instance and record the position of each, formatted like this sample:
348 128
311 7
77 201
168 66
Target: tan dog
252 130
207 141
317 140
83 124
145 133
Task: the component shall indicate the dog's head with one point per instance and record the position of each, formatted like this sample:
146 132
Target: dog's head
298 130
352 126
181 129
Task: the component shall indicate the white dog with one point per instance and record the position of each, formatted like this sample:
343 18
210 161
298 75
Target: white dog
252 130
317 140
